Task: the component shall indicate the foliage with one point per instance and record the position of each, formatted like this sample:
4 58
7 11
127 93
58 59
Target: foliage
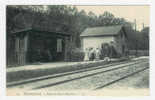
138 40
76 55
69 20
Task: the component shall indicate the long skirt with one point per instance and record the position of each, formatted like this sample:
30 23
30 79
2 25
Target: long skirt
86 58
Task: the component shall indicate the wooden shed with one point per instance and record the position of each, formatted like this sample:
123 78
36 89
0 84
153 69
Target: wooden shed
32 45
36 40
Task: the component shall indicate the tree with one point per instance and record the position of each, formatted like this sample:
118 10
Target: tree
62 18
145 38
108 18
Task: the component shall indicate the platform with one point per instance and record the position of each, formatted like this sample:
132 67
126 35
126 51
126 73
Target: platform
43 69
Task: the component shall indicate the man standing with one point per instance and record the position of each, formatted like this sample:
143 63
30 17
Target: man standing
91 54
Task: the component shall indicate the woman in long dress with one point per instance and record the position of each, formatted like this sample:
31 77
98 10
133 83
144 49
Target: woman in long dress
86 57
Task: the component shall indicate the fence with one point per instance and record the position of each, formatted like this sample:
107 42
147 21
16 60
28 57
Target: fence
139 52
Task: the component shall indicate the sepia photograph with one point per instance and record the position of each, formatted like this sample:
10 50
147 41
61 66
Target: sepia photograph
82 50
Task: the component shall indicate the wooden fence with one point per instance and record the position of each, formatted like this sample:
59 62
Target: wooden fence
139 52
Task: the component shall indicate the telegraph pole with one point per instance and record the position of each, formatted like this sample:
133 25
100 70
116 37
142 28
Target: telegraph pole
135 25
136 38
136 47
143 25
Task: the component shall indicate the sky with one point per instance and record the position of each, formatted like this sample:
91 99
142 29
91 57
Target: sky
130 13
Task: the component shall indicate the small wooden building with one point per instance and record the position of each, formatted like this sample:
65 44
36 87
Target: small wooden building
36 41
94 37
31 45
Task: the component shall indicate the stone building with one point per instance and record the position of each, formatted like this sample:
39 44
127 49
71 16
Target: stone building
94 37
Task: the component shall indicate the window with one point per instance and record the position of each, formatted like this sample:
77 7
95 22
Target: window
17 44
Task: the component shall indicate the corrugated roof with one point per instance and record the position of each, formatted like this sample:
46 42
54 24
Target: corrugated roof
100 31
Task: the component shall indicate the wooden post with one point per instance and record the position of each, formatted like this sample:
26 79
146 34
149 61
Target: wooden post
66 50
17 49
136 48
25 48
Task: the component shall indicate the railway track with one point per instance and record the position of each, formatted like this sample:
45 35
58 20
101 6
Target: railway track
85 76
97 70
11 84
119 79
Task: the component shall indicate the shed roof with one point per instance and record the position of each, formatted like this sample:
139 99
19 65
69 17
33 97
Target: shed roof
30 29
24 22
102 31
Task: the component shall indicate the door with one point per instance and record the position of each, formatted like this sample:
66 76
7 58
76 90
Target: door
60 49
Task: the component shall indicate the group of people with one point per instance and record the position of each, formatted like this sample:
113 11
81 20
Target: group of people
92 54
104 53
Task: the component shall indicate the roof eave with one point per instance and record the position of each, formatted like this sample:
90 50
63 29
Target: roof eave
97 35
29 29
22 30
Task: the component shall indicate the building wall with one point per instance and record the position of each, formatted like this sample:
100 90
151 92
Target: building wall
95 42
119 42
11 51
21 49
17 46
51 47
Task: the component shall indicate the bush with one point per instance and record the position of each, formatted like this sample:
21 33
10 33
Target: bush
76 55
